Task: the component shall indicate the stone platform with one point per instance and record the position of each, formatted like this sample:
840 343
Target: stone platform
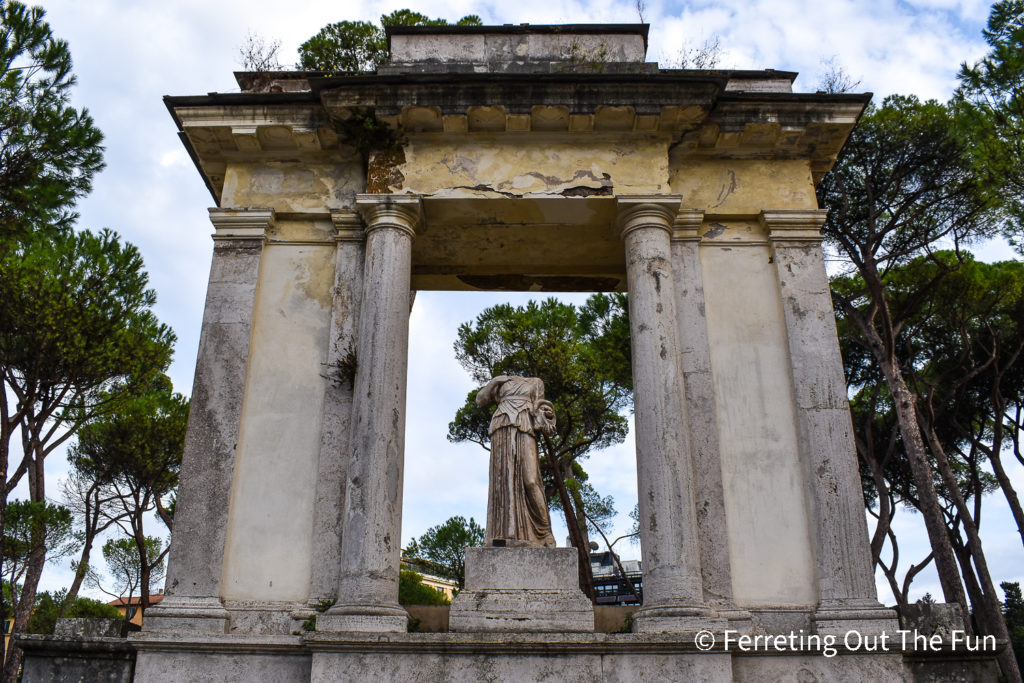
516 657
521 589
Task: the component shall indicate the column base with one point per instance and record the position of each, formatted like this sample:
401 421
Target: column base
865 616
364 618
678 619
188 615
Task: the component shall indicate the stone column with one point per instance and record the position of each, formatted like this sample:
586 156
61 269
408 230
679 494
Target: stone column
702 417
845 577
335 432
193 592
673 590
372 518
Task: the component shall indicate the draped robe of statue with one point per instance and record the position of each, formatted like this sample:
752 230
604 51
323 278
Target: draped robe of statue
517 510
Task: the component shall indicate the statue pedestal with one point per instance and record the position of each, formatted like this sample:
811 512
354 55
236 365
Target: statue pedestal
522 589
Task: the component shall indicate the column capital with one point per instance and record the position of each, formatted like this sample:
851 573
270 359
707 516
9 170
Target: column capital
686 227
241 224
637 211
794 225
348 225
399 211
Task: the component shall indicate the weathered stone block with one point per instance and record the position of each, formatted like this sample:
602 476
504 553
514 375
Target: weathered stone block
521 589
91 628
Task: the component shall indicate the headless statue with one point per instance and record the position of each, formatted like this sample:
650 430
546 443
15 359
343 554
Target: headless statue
517 510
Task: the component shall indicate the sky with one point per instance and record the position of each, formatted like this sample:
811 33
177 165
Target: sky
129 54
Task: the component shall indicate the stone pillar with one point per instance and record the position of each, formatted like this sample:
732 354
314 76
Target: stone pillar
702 418
192 599
673 590
845 578
335 432
372 519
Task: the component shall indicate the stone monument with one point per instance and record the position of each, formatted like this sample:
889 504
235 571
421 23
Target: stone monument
538 158
519 580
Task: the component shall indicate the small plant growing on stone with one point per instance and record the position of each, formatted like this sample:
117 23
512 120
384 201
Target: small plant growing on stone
581 59
627 623
364 131
343 370
323 605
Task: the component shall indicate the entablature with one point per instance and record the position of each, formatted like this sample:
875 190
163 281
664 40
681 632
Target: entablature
698 113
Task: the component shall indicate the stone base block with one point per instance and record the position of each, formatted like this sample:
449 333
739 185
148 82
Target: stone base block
71 659
521 610
188 615
177 658
265 618
864 617
521 589
364 618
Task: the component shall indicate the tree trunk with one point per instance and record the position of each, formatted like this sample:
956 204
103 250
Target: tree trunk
618 563
928 500
26 602
83 565
583 553
989 602
1008 491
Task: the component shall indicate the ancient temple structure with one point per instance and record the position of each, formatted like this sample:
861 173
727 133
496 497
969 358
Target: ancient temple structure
540 158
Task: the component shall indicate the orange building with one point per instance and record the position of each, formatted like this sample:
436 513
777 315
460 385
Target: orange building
133 606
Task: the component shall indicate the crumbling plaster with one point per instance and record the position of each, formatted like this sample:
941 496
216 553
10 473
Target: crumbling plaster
296 186
515 166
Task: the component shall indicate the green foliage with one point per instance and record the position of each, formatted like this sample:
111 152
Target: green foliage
6 600
366 133
904 180
444 546
412 591
958 348
357 46
125 567
49 151
344 47
599 510
136 449
627 623
31 528
75 320
1013 610
605 318
991 96
51 606
563 346
321 606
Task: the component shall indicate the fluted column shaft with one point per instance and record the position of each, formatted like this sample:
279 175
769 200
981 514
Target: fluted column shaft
673 590
367 597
